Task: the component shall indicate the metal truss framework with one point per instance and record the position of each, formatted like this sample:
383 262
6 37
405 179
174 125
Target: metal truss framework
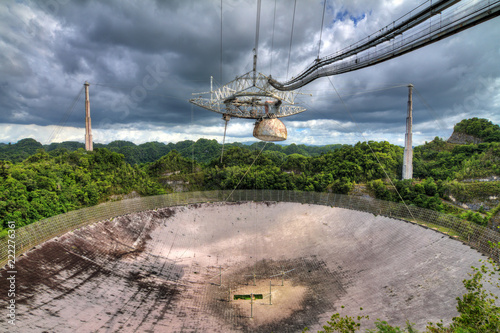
249 96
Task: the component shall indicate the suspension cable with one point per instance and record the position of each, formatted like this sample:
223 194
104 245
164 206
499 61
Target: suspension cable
272 39
221 41
291 38
256 49
264 146
226 119
434 113
321 32
192 146
371 149
65 117
257 27
453 21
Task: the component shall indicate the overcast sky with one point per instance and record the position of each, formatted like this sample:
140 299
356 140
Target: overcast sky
144 59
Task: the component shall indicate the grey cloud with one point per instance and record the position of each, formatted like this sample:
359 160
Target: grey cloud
51 49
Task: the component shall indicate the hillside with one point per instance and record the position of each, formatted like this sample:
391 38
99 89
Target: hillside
202 151
40 181
475 130
446 161
43 185
19 151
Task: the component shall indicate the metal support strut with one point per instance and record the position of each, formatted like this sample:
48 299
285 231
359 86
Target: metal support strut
226 118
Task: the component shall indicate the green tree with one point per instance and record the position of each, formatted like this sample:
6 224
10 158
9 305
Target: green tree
480 128
4 169
345 324
296 163
477 310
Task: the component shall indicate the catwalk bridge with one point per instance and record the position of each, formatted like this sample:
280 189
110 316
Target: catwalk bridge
424 25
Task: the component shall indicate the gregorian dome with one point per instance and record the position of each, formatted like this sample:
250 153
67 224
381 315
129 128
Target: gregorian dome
270 129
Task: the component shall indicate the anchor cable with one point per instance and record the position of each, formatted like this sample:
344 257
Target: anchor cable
321 32
272 39
257 28
66 115
264 146
371 149
221 41
291 38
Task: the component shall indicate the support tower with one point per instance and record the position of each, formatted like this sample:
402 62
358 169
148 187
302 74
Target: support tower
408 153
88 127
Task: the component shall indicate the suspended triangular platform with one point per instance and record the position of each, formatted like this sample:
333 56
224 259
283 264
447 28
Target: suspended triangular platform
249 96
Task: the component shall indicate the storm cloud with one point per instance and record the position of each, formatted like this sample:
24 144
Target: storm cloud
144 59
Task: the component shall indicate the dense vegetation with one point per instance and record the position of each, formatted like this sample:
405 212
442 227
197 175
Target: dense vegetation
19 151
335 171
40 181
45 184
442 160
201 151
480 128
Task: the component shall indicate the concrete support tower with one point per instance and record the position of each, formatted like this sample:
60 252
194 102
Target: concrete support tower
408 154
88 127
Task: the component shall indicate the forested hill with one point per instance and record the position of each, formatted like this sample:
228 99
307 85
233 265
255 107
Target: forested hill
19 151
44 185
475 130
39 181
202 151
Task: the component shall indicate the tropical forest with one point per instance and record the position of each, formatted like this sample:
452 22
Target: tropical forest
458 176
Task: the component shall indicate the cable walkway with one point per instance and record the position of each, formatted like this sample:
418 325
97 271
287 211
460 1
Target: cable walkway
416 29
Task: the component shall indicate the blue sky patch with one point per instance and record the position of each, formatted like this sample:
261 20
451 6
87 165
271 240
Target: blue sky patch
356 19
343 15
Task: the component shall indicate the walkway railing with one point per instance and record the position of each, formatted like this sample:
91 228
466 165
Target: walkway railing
36 233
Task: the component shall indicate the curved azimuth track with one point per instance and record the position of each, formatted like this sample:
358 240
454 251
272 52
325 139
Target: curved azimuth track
195 268
418 28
